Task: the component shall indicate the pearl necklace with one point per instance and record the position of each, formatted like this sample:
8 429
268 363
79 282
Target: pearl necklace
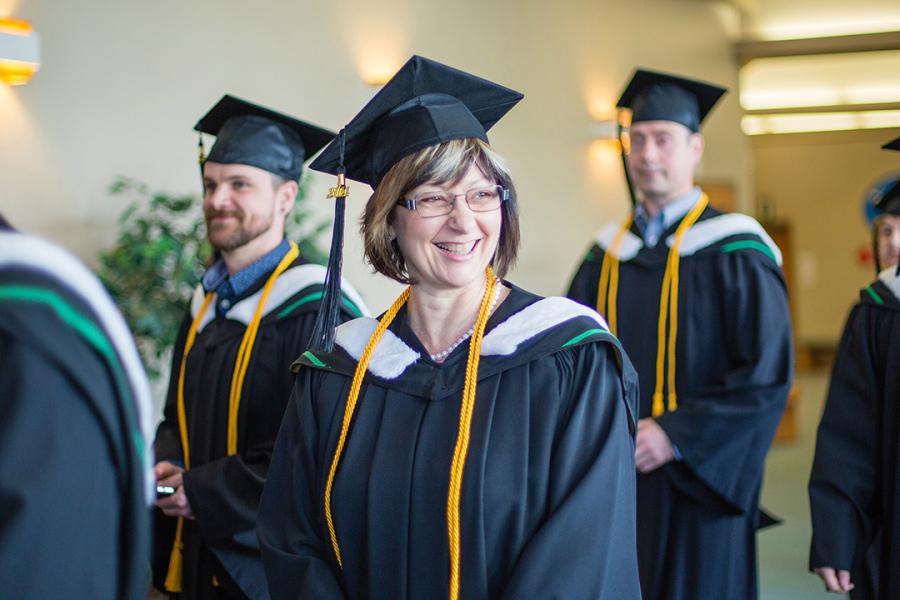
439 357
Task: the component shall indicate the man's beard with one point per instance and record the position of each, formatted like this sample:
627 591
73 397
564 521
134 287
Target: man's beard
241 234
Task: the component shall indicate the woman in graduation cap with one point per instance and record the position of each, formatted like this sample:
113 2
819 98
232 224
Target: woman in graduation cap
476 440
854 493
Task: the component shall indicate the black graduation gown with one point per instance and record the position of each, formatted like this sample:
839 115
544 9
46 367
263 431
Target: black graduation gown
854 489
74 518
547 504
223 490
697 517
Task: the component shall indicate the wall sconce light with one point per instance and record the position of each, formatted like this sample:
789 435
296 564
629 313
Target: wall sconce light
377 78
613 131
20 51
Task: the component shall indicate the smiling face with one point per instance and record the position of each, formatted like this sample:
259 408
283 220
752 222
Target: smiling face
450 251
242 204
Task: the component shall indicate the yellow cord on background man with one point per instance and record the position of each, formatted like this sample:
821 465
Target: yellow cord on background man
608 290
246 348
174 574
668 303
462 440
669 300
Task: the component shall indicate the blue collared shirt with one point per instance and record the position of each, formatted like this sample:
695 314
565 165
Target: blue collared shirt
652 228
228 288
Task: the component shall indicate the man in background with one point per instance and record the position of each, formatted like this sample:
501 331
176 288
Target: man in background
250 318
698 300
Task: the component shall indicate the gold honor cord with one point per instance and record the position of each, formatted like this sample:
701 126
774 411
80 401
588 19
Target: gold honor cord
465 421
668 305
355 386
246 348
174 574
608 289
668 302
465 426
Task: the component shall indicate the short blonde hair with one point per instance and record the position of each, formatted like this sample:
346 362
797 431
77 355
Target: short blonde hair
441 164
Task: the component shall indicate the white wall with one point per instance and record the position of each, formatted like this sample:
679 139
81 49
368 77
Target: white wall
122 84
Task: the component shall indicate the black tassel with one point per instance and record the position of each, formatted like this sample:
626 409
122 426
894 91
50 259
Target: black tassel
201 158
322 338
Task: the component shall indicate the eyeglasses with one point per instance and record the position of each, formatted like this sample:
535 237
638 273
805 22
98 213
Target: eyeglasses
438 204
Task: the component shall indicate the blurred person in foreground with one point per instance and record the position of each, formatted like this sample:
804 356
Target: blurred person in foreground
75 478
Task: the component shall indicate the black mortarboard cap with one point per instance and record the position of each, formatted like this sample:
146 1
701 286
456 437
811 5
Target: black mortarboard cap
892 145
249 134
887 201
425 103
654 96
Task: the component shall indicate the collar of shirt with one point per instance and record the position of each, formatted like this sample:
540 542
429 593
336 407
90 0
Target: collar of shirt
228 288
652 228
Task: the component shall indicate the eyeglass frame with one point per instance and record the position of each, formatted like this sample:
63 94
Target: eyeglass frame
410 203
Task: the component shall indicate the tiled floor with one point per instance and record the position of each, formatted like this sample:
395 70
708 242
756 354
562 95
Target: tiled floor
784 550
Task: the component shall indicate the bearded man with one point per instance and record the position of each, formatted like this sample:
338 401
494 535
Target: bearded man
250 318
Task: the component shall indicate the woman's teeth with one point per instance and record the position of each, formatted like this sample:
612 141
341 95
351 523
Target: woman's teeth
461 249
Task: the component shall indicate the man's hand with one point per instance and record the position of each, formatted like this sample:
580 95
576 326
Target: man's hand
653 448
835 581
177 504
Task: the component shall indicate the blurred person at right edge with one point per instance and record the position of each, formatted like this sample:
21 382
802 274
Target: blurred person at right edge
854 492
685 285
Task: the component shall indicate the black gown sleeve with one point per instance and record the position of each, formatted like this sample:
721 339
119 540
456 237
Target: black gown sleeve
296 550
723 430
586 548
843 486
